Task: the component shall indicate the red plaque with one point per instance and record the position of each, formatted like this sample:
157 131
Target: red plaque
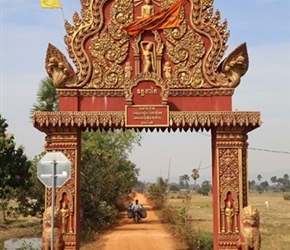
147 116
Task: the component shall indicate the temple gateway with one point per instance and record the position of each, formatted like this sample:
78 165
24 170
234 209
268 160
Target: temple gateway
152 65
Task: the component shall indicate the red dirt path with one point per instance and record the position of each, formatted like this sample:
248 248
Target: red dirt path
149 234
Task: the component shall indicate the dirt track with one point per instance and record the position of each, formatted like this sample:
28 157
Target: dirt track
149 234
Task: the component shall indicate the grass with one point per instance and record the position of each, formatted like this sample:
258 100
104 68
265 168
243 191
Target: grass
274 222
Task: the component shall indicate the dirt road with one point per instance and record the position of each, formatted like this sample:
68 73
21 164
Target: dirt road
149 234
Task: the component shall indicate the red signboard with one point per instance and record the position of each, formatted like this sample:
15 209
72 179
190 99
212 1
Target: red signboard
147 116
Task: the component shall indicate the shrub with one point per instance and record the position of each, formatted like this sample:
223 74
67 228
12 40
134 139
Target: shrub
181 228
200 241
286 197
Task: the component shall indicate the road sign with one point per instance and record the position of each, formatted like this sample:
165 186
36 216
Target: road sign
54 169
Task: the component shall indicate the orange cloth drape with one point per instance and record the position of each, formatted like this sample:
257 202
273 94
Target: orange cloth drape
164 19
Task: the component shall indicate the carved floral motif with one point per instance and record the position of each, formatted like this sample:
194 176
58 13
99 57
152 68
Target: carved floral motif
99 48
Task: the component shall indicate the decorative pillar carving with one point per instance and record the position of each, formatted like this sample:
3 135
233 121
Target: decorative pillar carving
67 141
230 183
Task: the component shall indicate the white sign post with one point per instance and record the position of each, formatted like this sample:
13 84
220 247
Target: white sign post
53 170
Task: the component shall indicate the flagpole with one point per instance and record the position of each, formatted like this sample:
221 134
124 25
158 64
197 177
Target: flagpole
62 12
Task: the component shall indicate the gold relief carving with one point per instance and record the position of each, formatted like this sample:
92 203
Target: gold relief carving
167 70
102 93
229 187
234 67
48 194
228 169
58 67
69 190
204 22
53 121
229 213
149 56
186 54
128 70
245 184
193 64
146 77
147 8
67 92
201 92
108 54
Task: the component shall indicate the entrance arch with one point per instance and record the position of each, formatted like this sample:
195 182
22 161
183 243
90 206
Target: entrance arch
165 75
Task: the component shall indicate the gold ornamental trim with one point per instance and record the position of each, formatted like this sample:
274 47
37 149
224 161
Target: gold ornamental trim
201 92
53 121
89 92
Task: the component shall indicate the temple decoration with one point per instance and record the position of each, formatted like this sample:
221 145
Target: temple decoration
187 35
152 65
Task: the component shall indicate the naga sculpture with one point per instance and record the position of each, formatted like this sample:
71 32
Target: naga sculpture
250 231
46 234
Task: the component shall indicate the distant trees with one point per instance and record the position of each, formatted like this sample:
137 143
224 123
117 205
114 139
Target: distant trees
205 188
279 184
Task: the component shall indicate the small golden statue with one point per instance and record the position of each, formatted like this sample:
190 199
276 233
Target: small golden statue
229 212
167 70
147 9
128 70
149 60
64 217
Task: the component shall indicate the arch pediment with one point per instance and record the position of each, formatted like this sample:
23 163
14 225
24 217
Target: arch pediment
186 57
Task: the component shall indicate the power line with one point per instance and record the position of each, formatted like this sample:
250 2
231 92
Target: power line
258 149
271 151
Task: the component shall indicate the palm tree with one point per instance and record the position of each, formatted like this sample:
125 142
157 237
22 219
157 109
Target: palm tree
195 176
47 99
273 179
259 177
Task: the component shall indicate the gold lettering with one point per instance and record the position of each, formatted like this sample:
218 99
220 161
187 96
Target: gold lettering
149 91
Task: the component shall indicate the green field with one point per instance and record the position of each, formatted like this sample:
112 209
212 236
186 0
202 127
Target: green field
274 222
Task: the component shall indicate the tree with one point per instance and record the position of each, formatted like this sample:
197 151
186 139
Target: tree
107 176
157 192
259 177
183 181
273 179
205 188
264 186
47 99
195 175
14 172
252 185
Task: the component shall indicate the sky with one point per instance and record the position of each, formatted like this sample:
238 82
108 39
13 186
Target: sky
26 29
